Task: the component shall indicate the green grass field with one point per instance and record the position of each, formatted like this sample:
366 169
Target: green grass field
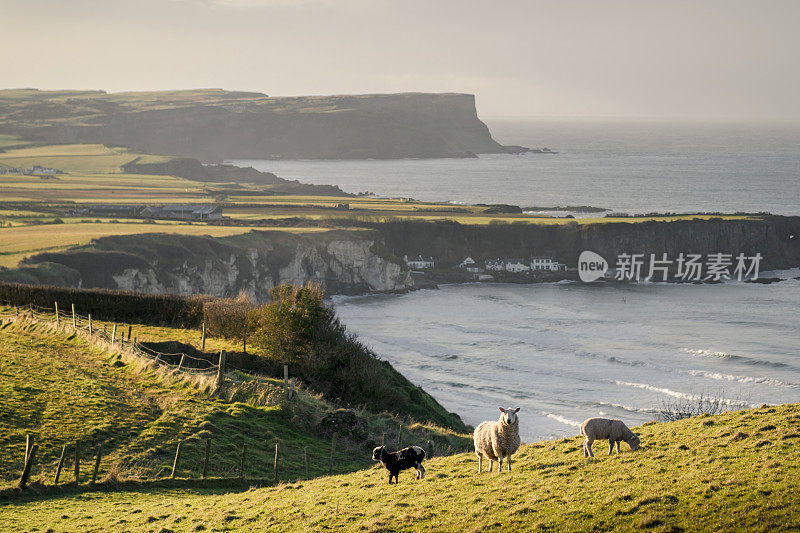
18 242
11 140
737 471
61 388
91 158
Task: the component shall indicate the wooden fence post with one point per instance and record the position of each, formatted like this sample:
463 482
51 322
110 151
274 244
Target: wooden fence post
183 358
74 320
291 387
285 375
305 459
28 446
60 464
177 459
130 331
430 449
77 462
26 472
333 449
114 334
203 339
205 461
58 319
90 324
241 466
275 466
221 369
96 465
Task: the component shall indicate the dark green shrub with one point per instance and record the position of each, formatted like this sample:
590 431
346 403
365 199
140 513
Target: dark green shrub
297 328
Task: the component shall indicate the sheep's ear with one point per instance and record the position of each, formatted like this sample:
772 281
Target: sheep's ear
502 409
516 410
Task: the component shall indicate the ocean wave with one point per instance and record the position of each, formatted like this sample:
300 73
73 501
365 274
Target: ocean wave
682 395
741 379
727 356
708 353
562 419
626 407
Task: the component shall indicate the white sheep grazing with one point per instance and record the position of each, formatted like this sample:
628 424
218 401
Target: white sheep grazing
497 440
603 428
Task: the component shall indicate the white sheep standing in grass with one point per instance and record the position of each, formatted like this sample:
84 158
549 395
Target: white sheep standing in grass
498 440
604 428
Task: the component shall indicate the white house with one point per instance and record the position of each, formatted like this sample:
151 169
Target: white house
419 262
542 262
495 264
516 265
470 265
545 262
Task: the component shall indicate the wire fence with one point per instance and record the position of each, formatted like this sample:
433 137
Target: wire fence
71 321
77 322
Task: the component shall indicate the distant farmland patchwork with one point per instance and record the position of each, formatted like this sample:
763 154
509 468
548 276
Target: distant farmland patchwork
92 174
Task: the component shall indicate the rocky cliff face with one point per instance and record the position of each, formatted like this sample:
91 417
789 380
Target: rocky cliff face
354 262
345 262
776 238
214 125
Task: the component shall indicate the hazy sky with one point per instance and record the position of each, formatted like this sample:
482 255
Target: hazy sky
719 60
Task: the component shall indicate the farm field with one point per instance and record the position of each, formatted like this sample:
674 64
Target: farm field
18 242
91 158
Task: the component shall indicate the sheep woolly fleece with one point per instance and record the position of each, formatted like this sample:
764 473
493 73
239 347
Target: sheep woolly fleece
604 428
497 440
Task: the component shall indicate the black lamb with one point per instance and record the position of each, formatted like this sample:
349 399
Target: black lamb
404 459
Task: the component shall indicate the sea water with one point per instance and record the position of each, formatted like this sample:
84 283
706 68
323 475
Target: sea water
567 351
625 167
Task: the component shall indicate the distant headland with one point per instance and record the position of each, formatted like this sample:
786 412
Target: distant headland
213 125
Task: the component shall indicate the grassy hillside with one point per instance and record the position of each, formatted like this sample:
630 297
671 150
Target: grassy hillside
738 471
61 388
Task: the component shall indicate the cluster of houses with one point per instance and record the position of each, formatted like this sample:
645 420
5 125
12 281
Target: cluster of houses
35 170
192 212
514 264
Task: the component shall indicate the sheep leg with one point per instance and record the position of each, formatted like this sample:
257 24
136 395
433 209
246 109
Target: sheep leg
491 465
509 463
618 451
500 461
610 446
420 471
588 445
480 464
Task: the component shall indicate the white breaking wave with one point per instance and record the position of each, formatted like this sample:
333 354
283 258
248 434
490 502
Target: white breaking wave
562 419
626 407
682 395
741 379
708 353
